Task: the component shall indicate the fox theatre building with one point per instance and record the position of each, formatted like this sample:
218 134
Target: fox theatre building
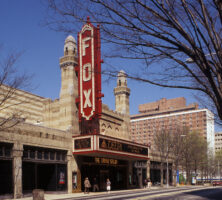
103 148
58 143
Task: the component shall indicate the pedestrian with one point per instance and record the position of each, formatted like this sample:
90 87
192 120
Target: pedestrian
149 183
108 185
95 185
145 183
87 185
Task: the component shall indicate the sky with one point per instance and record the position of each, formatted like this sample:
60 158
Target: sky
21 30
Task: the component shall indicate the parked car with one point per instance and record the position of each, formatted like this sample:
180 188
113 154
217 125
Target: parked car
216 183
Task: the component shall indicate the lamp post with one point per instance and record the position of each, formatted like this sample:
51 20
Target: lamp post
167 168
180 146
182 136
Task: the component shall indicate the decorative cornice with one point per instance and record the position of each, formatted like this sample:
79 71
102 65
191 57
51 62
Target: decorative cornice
122 92
67 61
65 64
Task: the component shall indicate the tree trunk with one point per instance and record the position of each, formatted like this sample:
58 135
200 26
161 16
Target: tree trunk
161 174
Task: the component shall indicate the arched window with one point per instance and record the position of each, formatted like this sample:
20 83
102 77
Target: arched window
119 82
66 52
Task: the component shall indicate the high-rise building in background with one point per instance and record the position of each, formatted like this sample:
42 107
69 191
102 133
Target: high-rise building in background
218 141
170 114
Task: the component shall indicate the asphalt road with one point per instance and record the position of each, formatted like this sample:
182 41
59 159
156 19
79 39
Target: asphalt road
186 193
210 194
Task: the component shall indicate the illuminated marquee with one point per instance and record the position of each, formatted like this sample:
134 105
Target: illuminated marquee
82 143
120 146
101 146
89 72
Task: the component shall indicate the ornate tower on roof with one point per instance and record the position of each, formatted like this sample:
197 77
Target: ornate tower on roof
69 87
122 93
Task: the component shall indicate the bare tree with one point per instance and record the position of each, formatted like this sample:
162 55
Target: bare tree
11 79
163 145
194 154
178 136
218 162
178 43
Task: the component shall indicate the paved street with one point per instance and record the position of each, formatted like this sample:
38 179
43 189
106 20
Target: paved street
156 193
212 193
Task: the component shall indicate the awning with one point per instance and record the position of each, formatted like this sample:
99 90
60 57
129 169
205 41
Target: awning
106 146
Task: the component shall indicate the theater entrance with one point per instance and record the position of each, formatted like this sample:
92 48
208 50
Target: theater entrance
103 168
104 174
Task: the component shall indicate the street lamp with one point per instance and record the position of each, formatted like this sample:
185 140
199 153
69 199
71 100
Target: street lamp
190 60
167 167
178 167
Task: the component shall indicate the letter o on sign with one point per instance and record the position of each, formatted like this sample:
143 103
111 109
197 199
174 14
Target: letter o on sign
87 71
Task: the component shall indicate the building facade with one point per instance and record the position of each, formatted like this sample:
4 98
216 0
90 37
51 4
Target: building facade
55 149
169 114
218 141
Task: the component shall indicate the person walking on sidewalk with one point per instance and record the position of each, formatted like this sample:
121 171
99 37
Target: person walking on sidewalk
108 185
145 183
95 185
87 185
149 183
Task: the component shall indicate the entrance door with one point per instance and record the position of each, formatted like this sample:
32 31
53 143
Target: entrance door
6 186
104 174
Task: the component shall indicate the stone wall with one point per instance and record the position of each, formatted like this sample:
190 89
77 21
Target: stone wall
35 135
113 123
23 104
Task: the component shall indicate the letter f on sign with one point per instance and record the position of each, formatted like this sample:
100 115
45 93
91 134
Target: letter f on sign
84 45
87 100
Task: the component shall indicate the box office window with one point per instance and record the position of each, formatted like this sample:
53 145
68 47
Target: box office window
46 155
52 155
39 155
58 155
32 154
8 151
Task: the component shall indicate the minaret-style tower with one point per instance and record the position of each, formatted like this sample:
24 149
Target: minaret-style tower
69 87
122 93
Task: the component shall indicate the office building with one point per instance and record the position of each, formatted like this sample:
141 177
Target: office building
170 114
218 141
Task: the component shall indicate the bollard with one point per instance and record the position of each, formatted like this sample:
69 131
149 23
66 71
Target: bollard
38 194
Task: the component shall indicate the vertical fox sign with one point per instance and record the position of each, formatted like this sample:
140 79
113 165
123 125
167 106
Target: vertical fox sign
89 73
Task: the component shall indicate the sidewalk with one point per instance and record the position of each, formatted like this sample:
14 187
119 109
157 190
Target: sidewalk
53 196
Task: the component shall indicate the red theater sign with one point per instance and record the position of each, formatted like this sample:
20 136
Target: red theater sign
89 72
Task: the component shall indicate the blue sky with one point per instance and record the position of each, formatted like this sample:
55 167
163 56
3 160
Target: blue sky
21 30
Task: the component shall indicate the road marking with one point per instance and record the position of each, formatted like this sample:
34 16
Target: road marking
169 194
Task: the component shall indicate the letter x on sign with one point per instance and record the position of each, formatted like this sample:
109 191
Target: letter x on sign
87 100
